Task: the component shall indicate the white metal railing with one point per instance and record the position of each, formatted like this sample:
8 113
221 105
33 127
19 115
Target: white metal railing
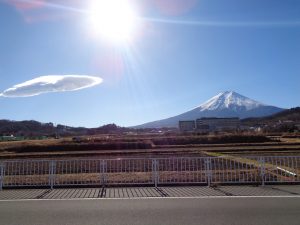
146 171
1 175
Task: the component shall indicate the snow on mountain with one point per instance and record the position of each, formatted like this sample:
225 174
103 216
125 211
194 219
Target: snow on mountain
224 104
230 100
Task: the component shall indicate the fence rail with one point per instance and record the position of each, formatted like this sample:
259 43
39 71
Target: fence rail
145 171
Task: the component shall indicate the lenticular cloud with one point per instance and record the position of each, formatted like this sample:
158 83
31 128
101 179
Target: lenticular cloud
53 83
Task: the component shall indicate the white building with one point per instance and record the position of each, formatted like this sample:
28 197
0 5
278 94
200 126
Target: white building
217 124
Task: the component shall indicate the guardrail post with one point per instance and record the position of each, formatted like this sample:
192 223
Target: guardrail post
1 175
52 171
103 167
208 171
262 170
155 175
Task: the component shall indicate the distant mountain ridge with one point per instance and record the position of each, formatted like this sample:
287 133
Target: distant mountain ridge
32 128
292 114
224 104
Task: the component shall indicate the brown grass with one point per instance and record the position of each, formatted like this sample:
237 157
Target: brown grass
115 146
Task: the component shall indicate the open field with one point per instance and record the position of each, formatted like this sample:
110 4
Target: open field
142 146
66 162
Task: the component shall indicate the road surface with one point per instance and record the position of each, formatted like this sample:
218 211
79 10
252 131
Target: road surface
220 210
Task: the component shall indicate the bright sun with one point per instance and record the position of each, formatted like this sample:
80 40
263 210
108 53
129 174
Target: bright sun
116 20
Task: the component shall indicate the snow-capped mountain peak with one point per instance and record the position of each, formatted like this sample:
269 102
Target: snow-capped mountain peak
224 104
229 100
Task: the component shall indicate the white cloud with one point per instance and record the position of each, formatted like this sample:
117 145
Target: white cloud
52 83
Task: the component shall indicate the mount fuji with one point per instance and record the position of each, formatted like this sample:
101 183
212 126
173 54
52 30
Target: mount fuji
224 104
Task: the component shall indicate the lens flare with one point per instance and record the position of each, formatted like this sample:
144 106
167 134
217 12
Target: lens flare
116 20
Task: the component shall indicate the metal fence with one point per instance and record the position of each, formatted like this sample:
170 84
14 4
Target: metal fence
145 171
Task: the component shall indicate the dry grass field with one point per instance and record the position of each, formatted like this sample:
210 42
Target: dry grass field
80 161
146 146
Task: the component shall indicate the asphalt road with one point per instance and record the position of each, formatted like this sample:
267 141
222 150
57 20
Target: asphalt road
204 211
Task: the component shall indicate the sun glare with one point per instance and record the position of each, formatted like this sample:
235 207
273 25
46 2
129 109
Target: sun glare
116 20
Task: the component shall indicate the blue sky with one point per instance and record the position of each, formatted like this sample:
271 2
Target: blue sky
181 58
